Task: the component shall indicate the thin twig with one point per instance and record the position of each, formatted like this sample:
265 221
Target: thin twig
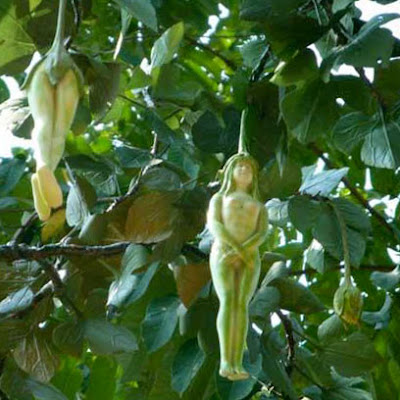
287 325
59 287
371 87
258 70
19 234
209 49
76 7
357 195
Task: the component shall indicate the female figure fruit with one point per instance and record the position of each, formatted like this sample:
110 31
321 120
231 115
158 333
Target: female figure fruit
53 88
239 222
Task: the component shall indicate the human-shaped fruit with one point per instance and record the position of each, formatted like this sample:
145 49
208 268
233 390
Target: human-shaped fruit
54 87
239 222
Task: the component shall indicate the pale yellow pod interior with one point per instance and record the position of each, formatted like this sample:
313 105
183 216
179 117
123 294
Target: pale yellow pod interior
41 206
49 187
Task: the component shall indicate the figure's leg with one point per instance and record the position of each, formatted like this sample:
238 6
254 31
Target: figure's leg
222 277
247 284
41 99
67 99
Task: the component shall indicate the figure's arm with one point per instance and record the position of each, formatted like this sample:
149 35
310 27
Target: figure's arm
215 225
262 227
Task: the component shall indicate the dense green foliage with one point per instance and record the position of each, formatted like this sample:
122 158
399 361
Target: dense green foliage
135 318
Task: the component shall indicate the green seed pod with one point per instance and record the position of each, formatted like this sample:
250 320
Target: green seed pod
348 303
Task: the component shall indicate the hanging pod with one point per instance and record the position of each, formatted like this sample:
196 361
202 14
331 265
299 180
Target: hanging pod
54 87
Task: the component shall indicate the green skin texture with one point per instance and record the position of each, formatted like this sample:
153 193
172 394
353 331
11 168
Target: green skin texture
238 221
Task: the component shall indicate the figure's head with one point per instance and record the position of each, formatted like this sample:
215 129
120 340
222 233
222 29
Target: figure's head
241 169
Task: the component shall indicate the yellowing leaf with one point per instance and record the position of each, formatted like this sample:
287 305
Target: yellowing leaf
54 225
190 278
151 217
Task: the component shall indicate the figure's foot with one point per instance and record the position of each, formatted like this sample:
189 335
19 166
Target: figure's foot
239 374
226 370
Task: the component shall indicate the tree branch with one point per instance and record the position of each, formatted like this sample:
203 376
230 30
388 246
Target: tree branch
22 251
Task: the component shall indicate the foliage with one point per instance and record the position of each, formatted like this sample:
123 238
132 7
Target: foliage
162 108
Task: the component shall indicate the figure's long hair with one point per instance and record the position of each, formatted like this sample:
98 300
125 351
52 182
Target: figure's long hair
228 183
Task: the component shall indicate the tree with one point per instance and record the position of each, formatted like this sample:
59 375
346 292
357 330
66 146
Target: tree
111 297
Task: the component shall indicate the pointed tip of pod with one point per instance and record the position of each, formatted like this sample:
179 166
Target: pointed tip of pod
41 206
49 187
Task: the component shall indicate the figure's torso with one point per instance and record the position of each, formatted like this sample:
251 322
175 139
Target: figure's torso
240 214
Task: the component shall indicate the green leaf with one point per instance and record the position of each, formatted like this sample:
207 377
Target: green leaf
133 157
331 329
35 356
69 378
387 82
104 86
106 338
300 68
121 289
17 385
80 198
277 212
296 297
266 300
327 231
371 46
252 51
351 130
142 10
17 46
160 322
303 212
11 333
381 148
16 301
11 171
322 183
167 45
186 365
386 280
355 93
134 258
15 116
211 137
68 337
318 258
141 287
4 92
351 356
277 270
176 85
102 381
286 26
310 111
379 319
353 214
